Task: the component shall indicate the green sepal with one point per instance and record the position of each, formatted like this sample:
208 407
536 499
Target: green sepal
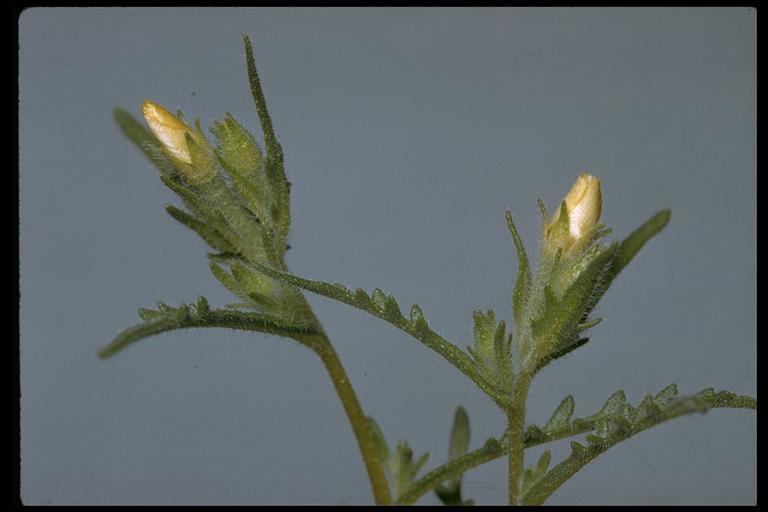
557 354
561 317
237 148
544 217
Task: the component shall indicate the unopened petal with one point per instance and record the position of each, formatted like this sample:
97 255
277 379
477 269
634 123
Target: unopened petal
169 130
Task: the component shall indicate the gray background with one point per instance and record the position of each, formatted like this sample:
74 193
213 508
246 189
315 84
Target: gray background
407 133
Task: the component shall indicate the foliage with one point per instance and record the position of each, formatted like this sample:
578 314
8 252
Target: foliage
236 197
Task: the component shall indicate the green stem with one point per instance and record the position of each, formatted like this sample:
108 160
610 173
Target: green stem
321 345
516 439
357 420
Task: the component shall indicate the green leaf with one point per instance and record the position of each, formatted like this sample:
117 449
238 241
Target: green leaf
207 233
452 469
522 289
532 476
561 416
614 411
630 246
638 238
167 318
492 350
273 164
379 442
416 325
228 280
450 492
403 468
459 434
618 421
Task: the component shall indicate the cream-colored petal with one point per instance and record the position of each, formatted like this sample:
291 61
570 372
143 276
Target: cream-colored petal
169 130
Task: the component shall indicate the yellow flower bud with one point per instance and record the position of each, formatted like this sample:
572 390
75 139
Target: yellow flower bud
169 130
583 204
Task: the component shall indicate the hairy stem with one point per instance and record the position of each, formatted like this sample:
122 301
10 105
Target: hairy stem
516 439
321 345
357 420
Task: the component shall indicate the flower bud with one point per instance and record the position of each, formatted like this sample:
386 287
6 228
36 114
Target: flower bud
169 130
583 204
189 150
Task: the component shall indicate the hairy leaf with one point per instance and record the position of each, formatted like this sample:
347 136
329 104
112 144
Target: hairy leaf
611 418
416 325
167 318
450 492
617 421
522 290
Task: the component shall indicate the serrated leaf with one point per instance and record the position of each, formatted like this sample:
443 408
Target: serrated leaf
614 405
149 314
168 318
533 475
561 416
403 468
666 395
416 315
617 421
379 298
416 326
165 308
362 300
392 310
420 462
588 324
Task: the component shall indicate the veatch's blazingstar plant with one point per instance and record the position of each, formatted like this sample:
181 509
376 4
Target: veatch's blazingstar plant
237 199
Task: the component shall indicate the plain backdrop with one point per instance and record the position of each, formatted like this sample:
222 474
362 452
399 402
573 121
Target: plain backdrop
407 134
